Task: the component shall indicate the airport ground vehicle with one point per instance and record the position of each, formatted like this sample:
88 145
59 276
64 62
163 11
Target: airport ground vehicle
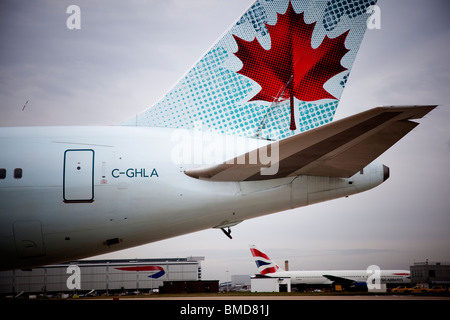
401 289
418 289
436 289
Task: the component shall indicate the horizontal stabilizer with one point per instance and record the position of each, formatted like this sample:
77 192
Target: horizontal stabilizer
339 149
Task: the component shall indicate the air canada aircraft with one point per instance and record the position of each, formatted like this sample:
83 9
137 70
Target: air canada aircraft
351 279
246 132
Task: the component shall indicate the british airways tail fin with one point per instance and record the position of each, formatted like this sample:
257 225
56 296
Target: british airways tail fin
263 262
278 71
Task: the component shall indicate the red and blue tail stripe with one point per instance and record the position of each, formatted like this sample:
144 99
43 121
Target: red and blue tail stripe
263 262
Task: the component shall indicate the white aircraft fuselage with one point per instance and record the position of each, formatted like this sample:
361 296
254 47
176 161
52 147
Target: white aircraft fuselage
73 192
318 277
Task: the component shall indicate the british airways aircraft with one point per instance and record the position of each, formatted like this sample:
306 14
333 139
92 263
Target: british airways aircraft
349 278
246 132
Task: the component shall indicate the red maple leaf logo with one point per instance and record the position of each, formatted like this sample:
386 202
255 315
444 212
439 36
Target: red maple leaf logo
291 67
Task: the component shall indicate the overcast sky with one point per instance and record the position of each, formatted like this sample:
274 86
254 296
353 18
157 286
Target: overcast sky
128 54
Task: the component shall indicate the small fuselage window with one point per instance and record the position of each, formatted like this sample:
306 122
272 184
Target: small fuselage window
18 173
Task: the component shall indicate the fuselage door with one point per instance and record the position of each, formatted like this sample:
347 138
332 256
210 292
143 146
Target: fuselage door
78 184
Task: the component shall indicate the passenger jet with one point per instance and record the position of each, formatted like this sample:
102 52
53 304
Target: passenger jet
246 132
354 279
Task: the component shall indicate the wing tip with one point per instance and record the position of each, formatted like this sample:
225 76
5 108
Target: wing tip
407 112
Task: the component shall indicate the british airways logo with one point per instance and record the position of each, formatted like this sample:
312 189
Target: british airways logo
263 262
159 270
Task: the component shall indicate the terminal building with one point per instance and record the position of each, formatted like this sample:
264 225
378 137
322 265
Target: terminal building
102 276
430 273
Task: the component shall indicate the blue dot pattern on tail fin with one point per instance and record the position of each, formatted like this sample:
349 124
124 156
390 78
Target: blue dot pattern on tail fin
214 94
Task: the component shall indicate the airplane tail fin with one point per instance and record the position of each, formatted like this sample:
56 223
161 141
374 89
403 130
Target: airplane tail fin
263 262
278 71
